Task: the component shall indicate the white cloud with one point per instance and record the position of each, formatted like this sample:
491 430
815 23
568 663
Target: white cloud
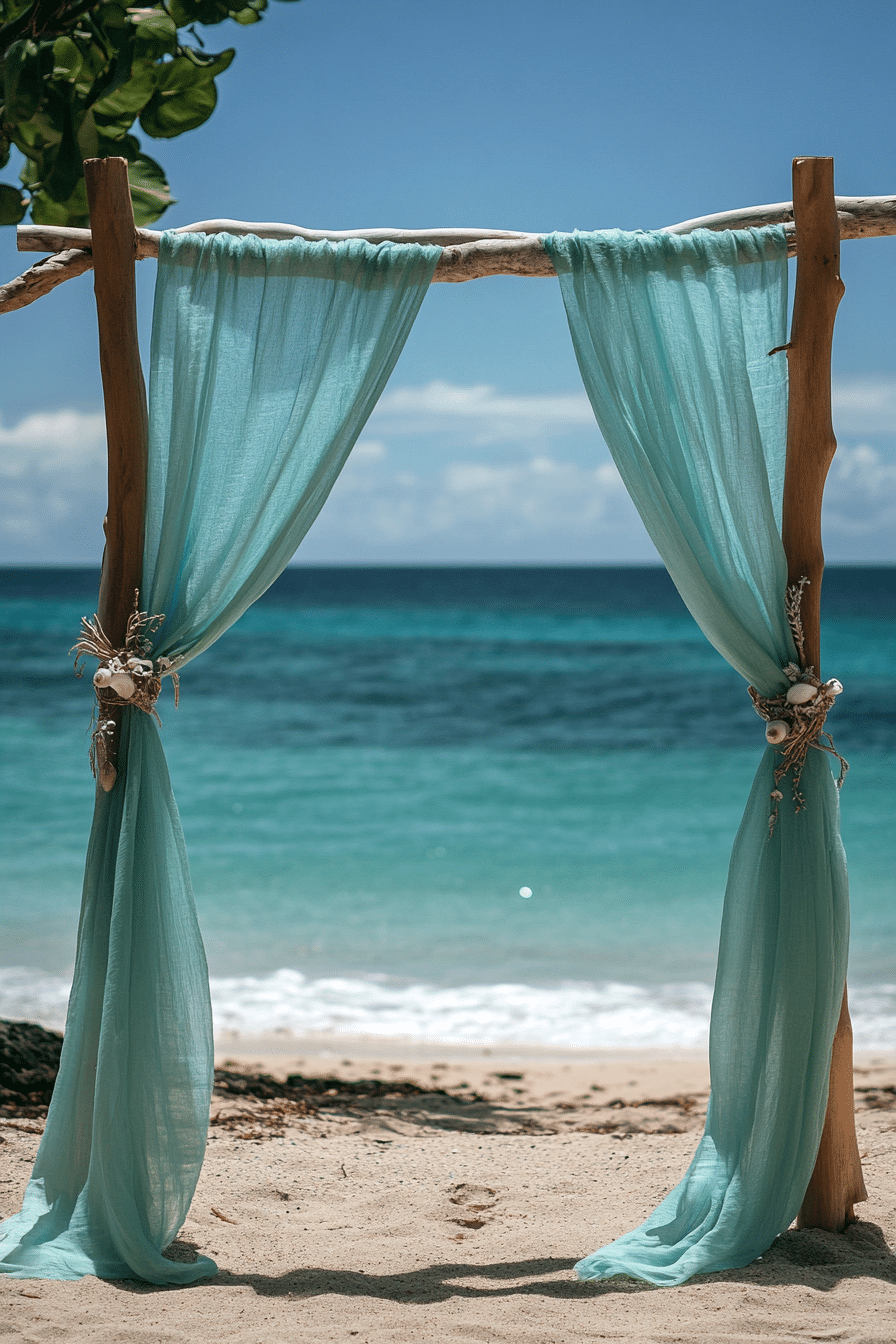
860 496
865 406
369 450
481 412
486 415
52 441
543 508
52 473
533 499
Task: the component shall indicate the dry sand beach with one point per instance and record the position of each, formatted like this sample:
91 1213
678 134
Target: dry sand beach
442 1193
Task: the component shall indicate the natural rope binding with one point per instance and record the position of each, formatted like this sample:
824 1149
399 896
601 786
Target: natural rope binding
124 677
795 718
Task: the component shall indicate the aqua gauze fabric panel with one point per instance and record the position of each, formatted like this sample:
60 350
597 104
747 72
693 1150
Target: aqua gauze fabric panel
672 336
267 358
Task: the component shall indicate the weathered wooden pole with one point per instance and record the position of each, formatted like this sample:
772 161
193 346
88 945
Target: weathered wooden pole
836 1183
114 257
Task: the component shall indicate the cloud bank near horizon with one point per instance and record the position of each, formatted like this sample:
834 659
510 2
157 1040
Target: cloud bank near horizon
449 472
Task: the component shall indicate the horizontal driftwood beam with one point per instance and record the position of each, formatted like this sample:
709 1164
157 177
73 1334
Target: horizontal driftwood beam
469 254
43 277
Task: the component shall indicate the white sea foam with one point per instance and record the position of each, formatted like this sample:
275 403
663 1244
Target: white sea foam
567 1015
604 1016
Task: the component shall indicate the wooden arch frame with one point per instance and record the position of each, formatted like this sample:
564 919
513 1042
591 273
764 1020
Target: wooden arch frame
815 220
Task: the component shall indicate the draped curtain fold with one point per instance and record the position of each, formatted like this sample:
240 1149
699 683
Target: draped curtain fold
267 359
672 336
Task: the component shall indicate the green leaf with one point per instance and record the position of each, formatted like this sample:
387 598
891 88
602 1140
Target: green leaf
185 96
245 16
124 147
156 35
87 138
11 9
12 204
111 16
210 62
150 192
185 12
37 133
129 98
67 60
68 165
23 89
5 143
96 67
114 70
72 213
31 174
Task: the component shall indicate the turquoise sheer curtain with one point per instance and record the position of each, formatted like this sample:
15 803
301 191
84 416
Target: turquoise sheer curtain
267 358
672 337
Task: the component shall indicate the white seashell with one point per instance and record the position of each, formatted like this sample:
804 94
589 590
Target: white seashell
142 666
801 693
122 684
833 687
101 677
776 731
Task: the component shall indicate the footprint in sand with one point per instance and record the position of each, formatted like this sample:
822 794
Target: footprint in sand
472 1200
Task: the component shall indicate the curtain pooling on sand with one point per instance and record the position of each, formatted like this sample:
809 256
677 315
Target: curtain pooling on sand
672 337
267 359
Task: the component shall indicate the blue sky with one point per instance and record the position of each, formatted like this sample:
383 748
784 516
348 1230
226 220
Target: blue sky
512 115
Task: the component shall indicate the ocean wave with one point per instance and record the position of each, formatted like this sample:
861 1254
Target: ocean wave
574 1016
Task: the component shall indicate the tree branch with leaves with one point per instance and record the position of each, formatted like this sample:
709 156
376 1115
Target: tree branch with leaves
75 76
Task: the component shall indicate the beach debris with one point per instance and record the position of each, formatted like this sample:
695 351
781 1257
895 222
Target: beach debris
223 1216
29 1062
795 718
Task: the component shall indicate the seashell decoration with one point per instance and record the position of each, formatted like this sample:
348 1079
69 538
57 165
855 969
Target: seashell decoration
122 683
124 675
801 693
833 687
776 731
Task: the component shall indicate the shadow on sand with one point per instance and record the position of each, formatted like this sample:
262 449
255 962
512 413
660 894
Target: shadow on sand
812 1259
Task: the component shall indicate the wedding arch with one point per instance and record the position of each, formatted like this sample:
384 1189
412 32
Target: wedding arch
271 345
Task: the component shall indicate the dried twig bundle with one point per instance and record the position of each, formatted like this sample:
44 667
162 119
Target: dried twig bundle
125 676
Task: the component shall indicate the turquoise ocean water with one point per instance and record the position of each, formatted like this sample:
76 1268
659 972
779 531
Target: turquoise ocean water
374 763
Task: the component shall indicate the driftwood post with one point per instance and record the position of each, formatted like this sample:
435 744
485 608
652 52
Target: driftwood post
836 1183
113 243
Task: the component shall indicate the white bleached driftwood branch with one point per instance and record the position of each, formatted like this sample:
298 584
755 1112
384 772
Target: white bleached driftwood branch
469 254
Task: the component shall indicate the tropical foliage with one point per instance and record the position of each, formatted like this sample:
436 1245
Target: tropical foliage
76 75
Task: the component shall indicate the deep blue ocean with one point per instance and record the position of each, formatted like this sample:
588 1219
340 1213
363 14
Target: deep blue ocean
374 763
